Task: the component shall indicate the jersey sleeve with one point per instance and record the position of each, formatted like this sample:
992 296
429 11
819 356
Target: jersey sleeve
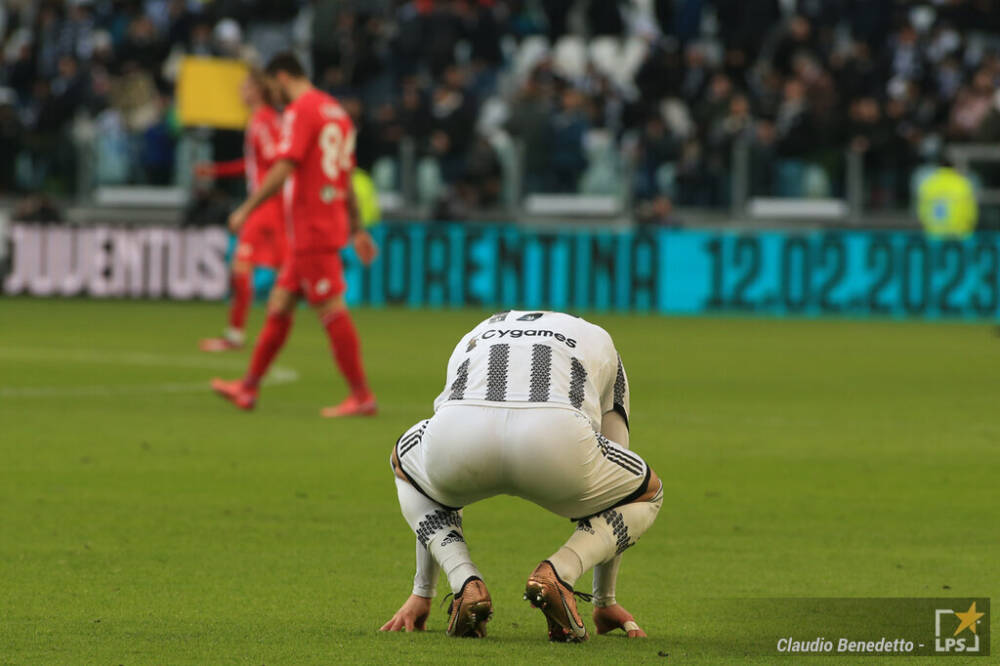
296 136
229 169
616 394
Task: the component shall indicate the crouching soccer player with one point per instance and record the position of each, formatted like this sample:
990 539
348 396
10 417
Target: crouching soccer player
535 405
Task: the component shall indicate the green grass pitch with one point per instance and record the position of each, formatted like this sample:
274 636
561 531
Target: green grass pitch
145 521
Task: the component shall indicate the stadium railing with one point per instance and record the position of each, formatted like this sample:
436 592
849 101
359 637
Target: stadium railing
410 185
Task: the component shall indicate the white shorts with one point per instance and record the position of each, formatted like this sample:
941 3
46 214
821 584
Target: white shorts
548 455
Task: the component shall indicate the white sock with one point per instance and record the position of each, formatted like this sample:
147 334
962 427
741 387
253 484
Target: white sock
613 427
235 335
568 564
439 530
605 578
425 580
602 537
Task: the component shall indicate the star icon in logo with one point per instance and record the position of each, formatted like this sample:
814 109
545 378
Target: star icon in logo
968 619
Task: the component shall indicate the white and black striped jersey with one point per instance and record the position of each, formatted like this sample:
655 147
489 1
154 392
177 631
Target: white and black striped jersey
538 357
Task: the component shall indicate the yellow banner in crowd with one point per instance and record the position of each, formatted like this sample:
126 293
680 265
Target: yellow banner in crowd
208 93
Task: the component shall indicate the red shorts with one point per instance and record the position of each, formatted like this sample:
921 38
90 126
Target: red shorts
262 239
319 276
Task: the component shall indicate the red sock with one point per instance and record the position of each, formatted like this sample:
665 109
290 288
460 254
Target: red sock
269 343
242 295
347 351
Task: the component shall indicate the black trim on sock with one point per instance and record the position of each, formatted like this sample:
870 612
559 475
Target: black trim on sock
468 580
558 577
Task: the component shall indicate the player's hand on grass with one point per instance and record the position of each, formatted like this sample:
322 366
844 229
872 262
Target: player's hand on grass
412 615
237 218
614 617
365 247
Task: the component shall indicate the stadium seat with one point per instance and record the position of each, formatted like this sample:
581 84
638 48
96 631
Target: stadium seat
429 181
111 150
790 177
816 182
192 148
603 173
598 144
24 171
666 179
570 57
600 178
508 46
507 154
384 174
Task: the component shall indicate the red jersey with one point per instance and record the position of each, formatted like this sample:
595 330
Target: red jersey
260 144
319 136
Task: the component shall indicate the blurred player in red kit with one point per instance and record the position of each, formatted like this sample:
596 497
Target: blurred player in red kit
313 164
261 239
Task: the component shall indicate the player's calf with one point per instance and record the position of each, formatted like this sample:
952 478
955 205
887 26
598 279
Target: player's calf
346 347
609 533
598 539
439 530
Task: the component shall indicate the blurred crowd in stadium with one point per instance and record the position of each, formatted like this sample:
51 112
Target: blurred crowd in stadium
576 92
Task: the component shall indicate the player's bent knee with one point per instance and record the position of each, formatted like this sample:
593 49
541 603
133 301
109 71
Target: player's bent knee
653 486
396 469
626 523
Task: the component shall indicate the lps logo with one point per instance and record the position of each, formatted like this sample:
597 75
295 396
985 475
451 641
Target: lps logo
957 640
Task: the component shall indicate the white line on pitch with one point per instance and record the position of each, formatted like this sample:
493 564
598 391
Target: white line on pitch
278 374
100 356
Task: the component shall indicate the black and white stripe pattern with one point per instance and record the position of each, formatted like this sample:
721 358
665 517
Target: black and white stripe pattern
461 381
433 523
410 438
619 456
541 373
496 373
619 529
577 379
620 385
